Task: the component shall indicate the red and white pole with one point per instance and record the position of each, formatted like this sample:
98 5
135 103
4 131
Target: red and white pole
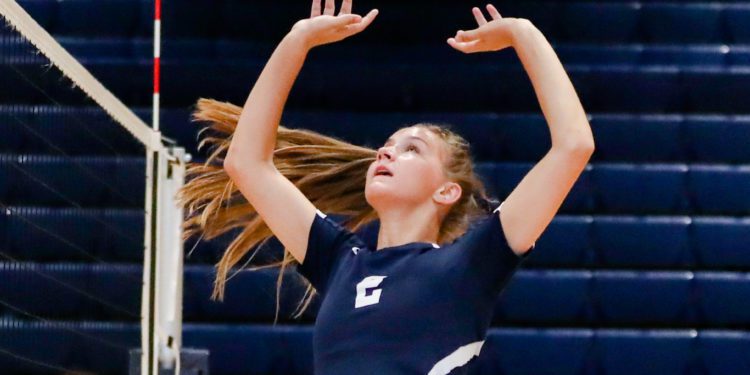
157 61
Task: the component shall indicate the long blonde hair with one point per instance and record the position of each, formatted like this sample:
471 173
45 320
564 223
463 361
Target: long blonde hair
328 171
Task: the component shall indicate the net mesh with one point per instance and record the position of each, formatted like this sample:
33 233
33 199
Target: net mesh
72 188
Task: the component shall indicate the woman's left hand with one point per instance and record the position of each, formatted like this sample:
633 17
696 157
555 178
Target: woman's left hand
489 36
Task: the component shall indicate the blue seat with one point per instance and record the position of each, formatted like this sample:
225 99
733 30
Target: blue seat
718 139
502 178
656 89
567 291
70 130
598 22
72 291
44 234
682 23
638 138
642 242
644 351
250 296
579 53
720 189
653 89
716 242
738 22
709 88
64 181
534 351
284 349
724 298
686 55
567 242
12 119
113 17
520 137
189 18
620 298
724 352
646 189
86 49
44 12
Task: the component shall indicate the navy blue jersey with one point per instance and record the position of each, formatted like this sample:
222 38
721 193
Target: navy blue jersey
417 308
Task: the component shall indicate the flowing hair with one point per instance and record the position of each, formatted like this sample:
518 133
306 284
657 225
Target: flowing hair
330 172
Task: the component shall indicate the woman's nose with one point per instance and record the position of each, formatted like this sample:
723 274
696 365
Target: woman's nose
384 152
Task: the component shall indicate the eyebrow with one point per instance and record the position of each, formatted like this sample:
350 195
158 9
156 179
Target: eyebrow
410 137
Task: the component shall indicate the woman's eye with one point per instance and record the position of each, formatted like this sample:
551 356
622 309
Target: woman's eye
412 147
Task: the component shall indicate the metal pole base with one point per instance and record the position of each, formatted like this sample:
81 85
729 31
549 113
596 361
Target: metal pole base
193 362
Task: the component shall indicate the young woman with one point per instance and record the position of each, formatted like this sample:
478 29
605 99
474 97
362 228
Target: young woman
421 299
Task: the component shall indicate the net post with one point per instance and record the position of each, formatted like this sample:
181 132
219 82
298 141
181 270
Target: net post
170 258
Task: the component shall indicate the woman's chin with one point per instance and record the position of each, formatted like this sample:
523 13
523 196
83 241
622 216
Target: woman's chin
380 192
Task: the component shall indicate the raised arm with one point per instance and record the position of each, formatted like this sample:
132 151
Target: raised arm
249 160
530 207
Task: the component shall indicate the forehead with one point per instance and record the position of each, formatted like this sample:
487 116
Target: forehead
432 139
415 131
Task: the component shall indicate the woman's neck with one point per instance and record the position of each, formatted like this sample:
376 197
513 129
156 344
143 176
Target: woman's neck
399 226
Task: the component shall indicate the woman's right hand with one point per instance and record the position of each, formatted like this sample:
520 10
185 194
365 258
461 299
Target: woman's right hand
326 28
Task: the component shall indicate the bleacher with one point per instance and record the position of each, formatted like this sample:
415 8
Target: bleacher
645 270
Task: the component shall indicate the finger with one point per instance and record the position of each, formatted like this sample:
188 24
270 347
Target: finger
346 7
347 19
366 21
478 16
329 9
466 36
315 11
493 12
465 47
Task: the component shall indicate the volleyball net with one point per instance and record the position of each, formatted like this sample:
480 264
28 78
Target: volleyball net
90 250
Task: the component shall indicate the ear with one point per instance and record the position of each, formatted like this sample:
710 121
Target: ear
448 193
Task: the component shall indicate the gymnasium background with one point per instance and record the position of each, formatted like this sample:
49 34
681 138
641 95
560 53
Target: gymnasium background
643 271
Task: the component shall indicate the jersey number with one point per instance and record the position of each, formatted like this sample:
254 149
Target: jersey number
364 299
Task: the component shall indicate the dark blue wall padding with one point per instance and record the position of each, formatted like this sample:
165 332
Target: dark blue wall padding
221 49
600 22
738 22
493 136
51 180
667 22
724 297
724 352
287 349
632 188
720 189
69 291
59 234
720 242
250 296
634 298
407 86
595 22
560 297
100 18
69 234
567 242
644 352
555 351
642 242
642 139
718 139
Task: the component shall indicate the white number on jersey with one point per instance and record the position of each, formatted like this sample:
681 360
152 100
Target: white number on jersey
363 299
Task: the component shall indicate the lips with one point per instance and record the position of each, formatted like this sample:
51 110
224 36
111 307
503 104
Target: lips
382 170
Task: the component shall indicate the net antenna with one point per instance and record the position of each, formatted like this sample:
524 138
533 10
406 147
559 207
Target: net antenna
161 308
